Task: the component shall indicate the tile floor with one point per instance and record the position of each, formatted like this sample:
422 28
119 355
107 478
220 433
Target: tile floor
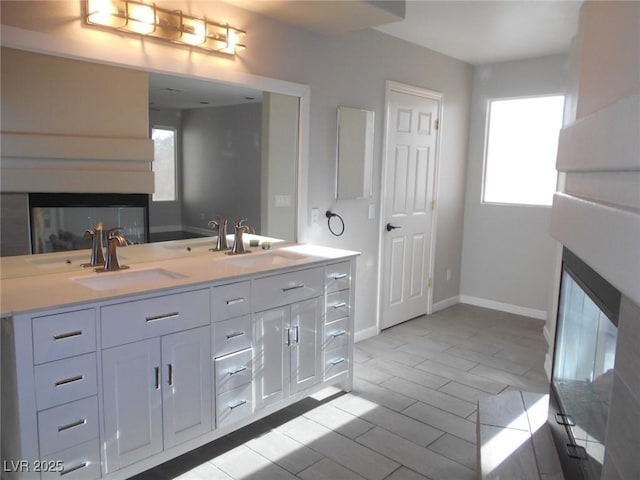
410 416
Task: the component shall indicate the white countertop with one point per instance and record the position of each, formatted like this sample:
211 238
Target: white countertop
37 282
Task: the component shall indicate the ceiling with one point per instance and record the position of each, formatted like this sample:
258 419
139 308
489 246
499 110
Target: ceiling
481 32
474 31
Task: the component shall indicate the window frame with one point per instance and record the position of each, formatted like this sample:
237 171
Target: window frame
485 153
176 181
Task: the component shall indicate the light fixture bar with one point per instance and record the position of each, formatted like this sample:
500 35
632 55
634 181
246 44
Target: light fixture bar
149 20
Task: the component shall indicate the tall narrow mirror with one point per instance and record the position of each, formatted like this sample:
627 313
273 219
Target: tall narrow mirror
355 153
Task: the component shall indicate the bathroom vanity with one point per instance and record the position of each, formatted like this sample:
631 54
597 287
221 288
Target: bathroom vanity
107 375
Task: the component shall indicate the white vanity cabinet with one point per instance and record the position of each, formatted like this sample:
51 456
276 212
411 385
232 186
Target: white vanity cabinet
111 386
287 332
157 391
50 396
337 346
232 352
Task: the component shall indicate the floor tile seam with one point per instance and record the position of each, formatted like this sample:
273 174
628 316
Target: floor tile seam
324 457
443 411
433 390
402 464
275 462
479 379
406 468
474 468
490 355
335 460
336 431
442 432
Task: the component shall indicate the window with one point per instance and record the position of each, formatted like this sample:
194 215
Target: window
521 149
164 164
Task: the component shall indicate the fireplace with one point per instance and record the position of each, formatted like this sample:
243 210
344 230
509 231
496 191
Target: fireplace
57 221
583 368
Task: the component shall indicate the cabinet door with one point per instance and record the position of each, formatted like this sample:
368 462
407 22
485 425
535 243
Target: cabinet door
270 344
186 385
305 346
132 403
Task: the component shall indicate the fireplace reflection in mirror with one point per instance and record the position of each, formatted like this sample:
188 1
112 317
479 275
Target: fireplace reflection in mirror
583 364
58 220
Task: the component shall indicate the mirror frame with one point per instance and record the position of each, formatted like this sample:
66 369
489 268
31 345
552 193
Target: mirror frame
137 59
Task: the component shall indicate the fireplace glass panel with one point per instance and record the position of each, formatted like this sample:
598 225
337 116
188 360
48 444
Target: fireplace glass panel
583 372
59 221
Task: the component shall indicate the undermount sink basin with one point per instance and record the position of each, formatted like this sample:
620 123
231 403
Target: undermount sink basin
263 259
127 278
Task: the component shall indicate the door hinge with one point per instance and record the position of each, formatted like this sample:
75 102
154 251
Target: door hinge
430 282
437 124
433 204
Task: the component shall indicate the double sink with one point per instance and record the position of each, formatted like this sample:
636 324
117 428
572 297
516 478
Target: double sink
256 260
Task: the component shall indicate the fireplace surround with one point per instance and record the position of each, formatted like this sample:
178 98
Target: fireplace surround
583 368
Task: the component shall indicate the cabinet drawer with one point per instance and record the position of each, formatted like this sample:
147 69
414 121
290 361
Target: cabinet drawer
337 276
234 370
230 301
81 462
336 361
63 335
152 317
286 288
336 335
70 424
65 380
337 306
233 405
232 335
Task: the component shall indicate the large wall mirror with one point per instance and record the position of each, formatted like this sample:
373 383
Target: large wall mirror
236 156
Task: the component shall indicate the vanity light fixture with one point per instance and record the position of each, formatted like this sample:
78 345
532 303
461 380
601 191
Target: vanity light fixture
149 20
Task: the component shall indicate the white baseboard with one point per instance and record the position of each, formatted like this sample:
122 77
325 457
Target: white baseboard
547 365
365 333
504 307
442 304
547 335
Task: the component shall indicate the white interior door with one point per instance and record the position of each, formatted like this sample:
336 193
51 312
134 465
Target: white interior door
408 204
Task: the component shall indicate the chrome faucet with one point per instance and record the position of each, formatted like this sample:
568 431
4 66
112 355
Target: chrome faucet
221 224
238 245
97 254
114 240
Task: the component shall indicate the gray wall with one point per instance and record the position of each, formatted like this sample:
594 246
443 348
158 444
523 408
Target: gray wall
341 70
221 165
508 256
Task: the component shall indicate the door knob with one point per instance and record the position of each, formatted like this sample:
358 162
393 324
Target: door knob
391 227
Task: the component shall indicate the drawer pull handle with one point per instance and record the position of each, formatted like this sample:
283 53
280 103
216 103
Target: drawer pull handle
170 368
235 301
69 426
297 329
338 333
234 335
295 287
239 404
66 471
239 370
288 337
164 316
337 362
157 370
339 305
338 276
67 381
62 336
